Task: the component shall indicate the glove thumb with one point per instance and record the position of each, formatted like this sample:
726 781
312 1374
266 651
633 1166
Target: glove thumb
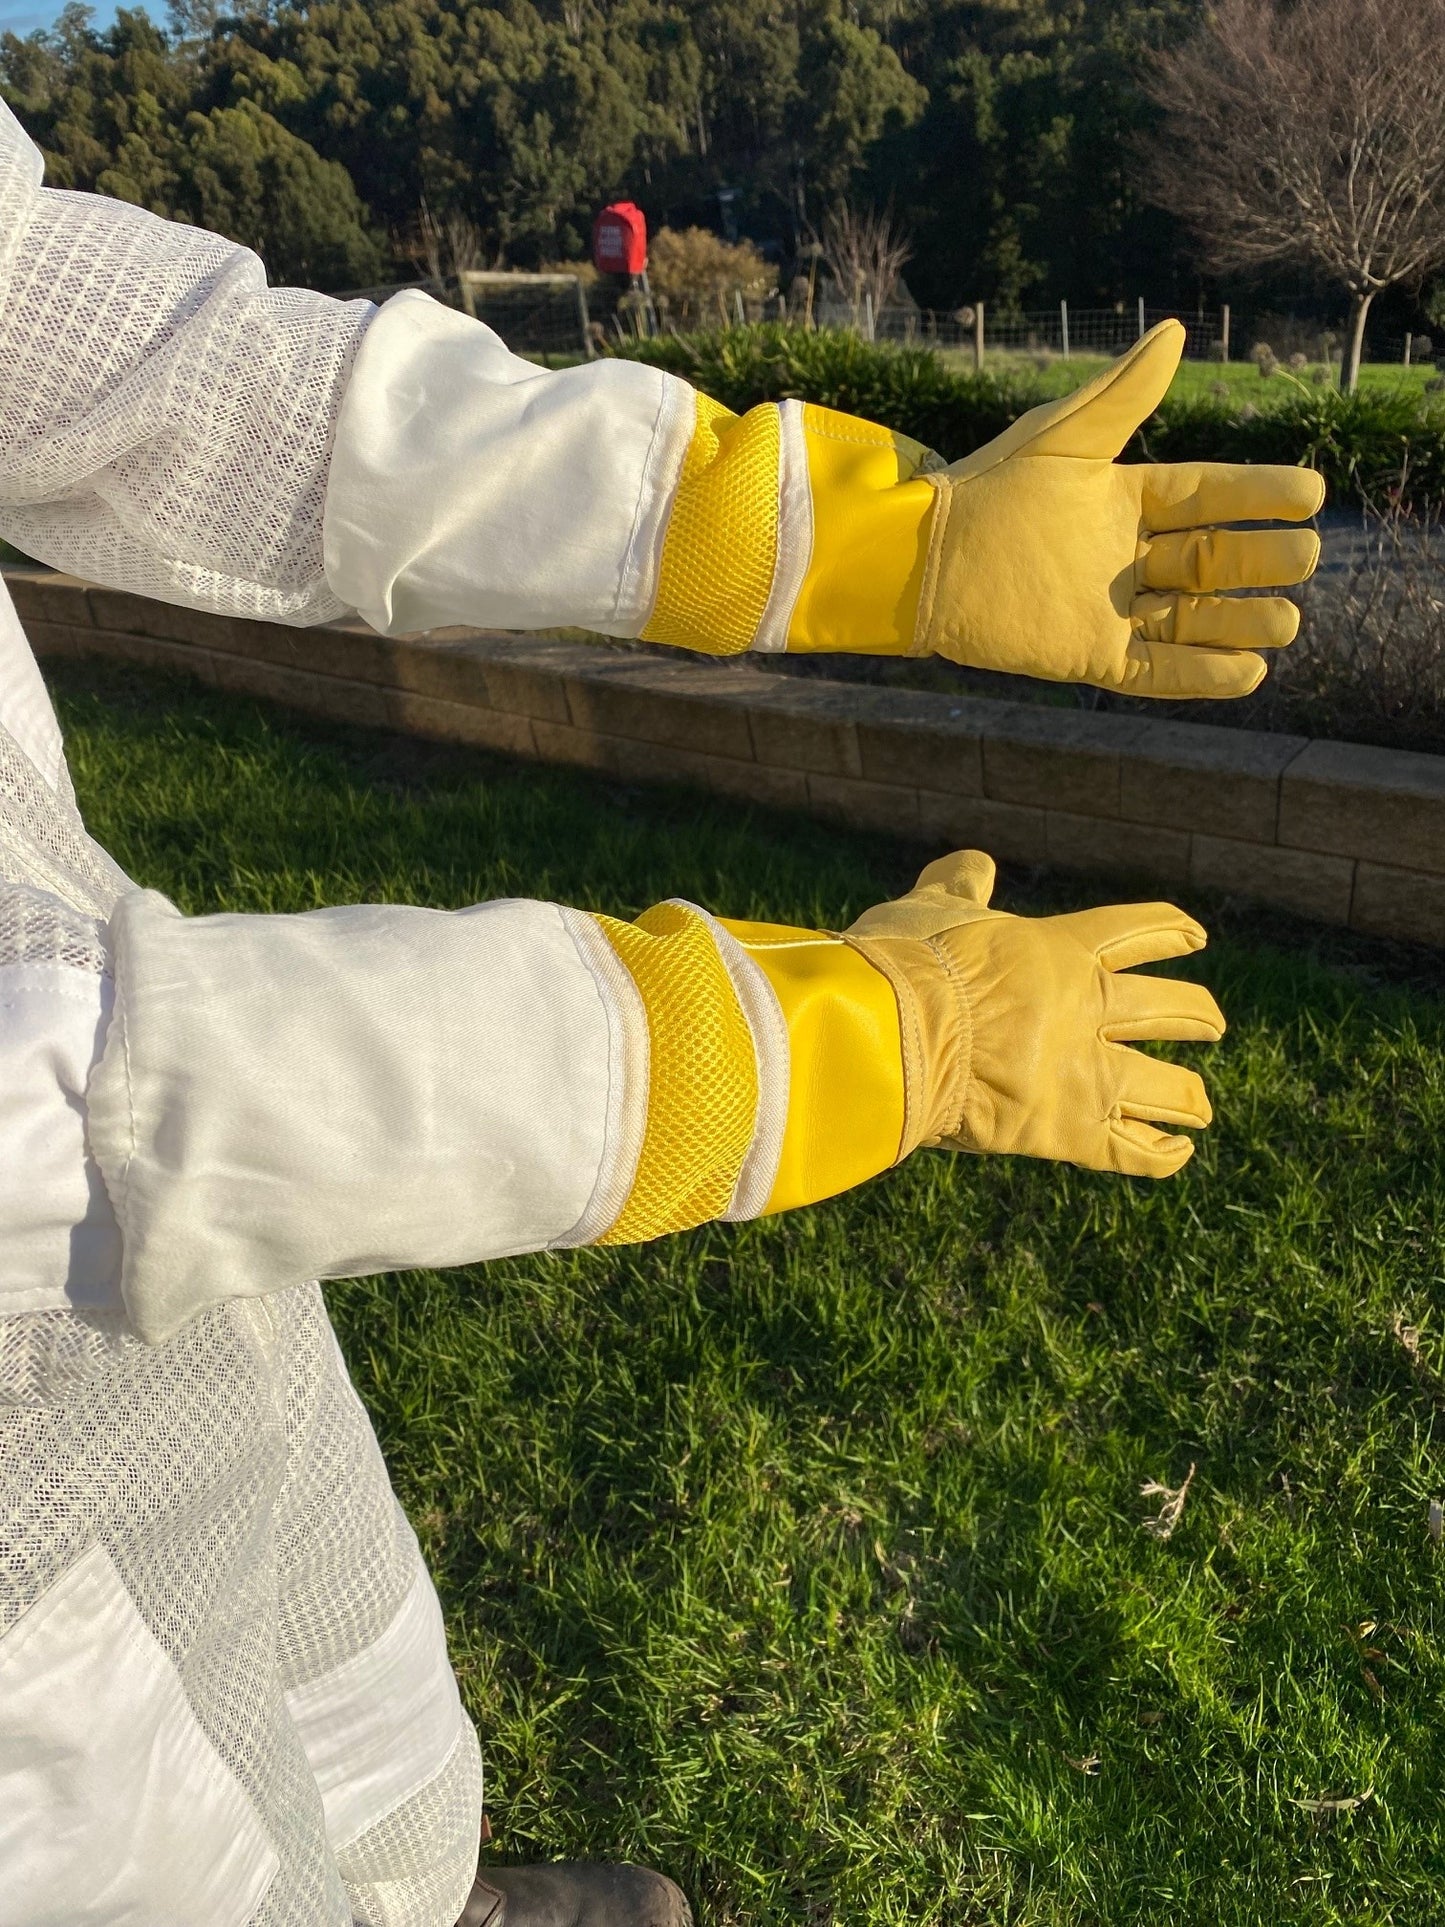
964 873
949 889
1096 421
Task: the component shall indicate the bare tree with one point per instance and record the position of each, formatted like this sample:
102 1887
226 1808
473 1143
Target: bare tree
1310 132
865 252
440 249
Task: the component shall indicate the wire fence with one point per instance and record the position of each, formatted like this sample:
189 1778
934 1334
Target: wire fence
558 316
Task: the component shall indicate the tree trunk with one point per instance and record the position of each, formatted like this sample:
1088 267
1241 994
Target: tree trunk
1355 346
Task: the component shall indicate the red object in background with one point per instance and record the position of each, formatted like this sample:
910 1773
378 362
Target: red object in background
619 239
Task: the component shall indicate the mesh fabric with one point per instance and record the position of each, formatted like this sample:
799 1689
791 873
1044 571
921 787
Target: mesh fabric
231 1474
721 545
393 1874
702 1099
166 420
37 928
44 845
192 1463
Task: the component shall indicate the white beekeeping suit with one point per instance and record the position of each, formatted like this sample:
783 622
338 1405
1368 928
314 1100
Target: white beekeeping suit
224 1693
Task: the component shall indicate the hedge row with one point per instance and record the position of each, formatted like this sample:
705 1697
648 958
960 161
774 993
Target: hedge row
1376 446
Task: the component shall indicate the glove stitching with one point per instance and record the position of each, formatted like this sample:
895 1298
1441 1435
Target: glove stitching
913 1066
964 1007
923 624
910 1036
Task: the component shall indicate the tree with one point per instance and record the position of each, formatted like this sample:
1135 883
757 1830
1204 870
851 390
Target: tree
1015 183
865 252
241 173
1310 134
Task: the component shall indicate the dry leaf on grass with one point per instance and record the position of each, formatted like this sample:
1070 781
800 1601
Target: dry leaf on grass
1347 1805
1172 1510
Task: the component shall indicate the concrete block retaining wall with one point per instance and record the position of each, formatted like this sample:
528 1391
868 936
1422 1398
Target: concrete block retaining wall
1338 832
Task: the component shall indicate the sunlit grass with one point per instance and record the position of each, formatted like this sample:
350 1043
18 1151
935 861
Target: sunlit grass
808 1560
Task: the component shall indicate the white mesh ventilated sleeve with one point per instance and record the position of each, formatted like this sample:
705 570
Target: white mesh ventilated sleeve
469 486
353 1090
172 426
166 420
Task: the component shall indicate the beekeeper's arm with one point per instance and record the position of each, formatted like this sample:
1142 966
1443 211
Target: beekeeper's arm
171 425
271 1099
353 1090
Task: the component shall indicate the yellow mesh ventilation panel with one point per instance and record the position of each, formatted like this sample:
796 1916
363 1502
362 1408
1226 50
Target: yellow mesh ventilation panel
721 546
702 1101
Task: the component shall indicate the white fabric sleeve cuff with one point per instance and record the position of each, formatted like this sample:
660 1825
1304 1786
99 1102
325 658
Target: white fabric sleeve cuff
348 1091
469 486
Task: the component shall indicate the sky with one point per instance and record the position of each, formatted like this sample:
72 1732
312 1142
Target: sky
24 16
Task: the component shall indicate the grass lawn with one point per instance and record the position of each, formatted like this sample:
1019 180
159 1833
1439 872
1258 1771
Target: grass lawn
1194 379
809 1560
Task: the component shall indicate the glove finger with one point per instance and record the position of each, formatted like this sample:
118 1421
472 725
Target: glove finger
1139 1151
1124 934
1205 559
1155 1091
1174 671
1232 622
1139 1009
965 873
1187 495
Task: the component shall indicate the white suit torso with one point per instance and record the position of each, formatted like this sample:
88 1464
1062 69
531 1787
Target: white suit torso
224 1693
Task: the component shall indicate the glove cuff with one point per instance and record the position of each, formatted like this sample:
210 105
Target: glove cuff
936 1020
703 1081
845 1116
794 528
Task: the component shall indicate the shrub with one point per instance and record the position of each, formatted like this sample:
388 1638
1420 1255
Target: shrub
1381 445
695 273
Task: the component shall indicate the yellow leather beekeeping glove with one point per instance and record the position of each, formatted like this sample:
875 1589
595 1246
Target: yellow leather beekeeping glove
1016 1029
1004 1033
783 1066
796 528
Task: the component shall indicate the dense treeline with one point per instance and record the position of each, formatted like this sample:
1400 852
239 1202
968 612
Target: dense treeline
1000 130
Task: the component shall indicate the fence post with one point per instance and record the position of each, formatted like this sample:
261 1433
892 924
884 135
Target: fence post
584 320
1064 327
464 289
867 314
1409 338
1224 332
1141 317
738 309
978 334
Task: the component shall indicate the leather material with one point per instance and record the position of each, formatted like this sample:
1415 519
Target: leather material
1042 555
1049 558
575 1893
1020 1023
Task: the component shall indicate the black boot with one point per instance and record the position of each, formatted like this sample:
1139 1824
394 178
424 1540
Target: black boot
575 1893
